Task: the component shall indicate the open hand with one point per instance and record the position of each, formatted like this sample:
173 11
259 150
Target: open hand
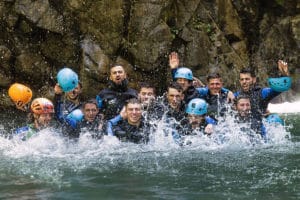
173 60
283 67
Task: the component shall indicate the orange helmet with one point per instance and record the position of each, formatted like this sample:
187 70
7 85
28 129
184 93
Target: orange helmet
42 106
20 94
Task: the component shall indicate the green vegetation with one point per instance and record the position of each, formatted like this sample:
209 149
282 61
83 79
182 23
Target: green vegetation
280 2
198 24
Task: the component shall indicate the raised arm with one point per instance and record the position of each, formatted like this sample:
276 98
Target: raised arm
173 60
283 68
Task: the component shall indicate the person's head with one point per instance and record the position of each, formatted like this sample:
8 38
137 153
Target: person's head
247 79
146 93
90 110
184 76
75 93
43 111
117 74
175 95
214 83
133 109
243 105
196 110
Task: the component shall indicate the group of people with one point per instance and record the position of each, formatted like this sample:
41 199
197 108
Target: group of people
188 107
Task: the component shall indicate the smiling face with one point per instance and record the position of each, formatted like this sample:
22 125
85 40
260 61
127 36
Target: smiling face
117 74
43 120
134 113
243 107
74 94
215 85
184 83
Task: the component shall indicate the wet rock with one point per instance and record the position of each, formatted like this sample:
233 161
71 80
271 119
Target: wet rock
143 31
33 69
37 38
5 54
63 48
94 71
4 79
41 14
102 20
295 24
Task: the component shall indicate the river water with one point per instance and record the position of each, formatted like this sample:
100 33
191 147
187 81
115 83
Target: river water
50 167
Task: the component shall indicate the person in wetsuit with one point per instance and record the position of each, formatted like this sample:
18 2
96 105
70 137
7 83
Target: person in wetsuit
112 99
132 129
87 120
41 114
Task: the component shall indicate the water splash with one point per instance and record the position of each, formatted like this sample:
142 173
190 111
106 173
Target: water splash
285 107
52 159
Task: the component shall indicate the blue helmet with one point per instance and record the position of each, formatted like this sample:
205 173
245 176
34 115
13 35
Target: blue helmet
197 106
67 79
184 72
76 115
280 84
274 119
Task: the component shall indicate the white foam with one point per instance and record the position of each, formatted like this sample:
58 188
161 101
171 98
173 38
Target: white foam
285 107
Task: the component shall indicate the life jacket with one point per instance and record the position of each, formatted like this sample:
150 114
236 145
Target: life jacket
129 133
258 103
112 99
190 93
252 123
63 107
216 104
26 132
73 128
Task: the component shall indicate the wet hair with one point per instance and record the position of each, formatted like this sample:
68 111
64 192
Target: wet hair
90 101
175 86
115 65
132 101
248 70
241 96
146 85
213 76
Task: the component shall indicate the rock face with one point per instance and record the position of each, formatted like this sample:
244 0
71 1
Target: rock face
39 37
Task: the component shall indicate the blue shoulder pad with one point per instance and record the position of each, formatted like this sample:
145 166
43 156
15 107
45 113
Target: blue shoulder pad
224 90
173 71
203 91
99 101
22 130
72 122
210 120
236 94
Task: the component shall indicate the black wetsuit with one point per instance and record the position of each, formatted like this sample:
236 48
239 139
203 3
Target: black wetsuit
259 99
112 99
73 128
216 104
130 133
251 124
190 93
63 107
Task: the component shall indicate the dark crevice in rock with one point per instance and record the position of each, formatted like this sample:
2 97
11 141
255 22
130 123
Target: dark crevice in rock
232 38
57 5
27 30
123 51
